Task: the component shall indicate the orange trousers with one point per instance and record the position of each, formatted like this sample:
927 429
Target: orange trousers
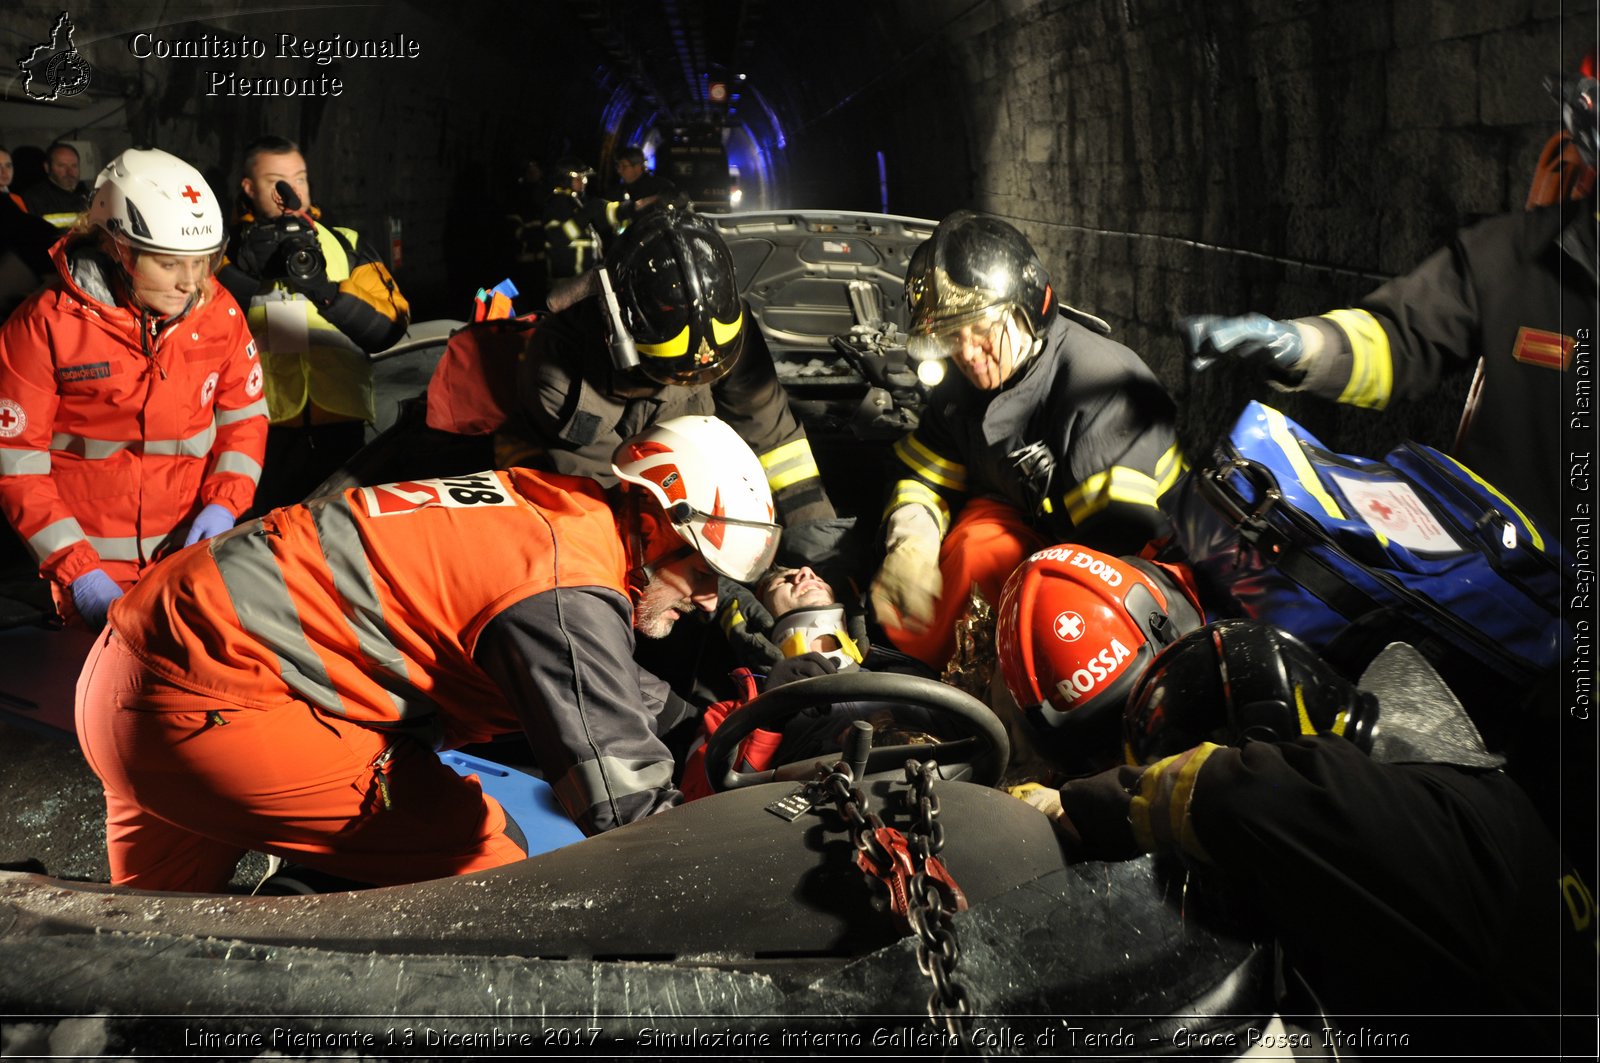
192 782
987 541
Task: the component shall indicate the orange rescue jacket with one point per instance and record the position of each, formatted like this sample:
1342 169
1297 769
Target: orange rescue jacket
116 429
369 604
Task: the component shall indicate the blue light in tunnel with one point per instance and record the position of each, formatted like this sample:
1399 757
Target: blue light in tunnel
883 185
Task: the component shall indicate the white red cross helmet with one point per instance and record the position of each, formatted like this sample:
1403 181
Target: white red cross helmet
712 488
157 202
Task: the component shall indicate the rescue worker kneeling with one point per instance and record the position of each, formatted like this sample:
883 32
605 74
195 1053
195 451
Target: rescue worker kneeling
283 687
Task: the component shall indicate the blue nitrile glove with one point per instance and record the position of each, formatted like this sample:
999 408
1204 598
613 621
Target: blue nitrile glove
1274 346
208 522
92 594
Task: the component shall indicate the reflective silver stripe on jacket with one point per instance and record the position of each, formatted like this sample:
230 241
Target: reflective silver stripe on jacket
15 461
127 547
591 782
53 537
237 461
224 418
195 446
83 447
267 612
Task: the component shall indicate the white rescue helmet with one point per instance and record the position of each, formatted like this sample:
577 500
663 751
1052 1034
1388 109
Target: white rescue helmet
154 201
712 488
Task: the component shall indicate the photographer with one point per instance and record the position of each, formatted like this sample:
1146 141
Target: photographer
318 303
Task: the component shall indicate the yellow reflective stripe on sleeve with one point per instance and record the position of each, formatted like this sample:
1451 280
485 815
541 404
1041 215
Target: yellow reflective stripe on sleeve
1116 484
1169 467
789 464
1372 366
676 347
1278 428
917 493
1533 533
915 455
1159 812
732 617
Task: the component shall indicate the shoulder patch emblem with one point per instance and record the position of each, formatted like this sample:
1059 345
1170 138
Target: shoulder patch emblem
1552 350
13 419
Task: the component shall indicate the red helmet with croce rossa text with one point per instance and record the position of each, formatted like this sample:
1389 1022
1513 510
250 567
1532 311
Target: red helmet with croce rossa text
1075 628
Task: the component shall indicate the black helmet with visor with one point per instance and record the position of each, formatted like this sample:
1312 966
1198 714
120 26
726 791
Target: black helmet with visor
677 297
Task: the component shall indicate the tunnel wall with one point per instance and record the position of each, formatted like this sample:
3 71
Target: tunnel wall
1348 138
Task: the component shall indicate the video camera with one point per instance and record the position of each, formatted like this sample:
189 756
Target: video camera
290 243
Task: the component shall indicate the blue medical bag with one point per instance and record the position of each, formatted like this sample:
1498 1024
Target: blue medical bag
1349 553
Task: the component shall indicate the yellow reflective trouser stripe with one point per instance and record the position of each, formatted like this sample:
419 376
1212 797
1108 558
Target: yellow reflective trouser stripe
1117 484
916 456
1371 367
19 461
917 493
1533 533
789 464
1278 429
1169 467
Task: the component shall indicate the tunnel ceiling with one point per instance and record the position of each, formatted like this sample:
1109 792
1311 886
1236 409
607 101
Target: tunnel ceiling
801 60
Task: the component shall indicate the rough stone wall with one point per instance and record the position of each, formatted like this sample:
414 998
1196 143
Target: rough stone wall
1171 157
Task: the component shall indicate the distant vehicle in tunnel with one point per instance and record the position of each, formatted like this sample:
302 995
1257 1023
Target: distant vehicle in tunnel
695 159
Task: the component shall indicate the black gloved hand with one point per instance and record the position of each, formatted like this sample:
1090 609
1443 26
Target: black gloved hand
1274 347
745 621
256 251
804 666
1095 823
318 289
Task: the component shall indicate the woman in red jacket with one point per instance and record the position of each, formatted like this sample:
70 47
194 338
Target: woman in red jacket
131 416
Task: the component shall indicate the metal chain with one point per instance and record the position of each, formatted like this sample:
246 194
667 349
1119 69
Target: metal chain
931 918
949 1006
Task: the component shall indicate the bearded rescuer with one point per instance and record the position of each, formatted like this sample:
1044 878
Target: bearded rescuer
131 414
1048 432
284 689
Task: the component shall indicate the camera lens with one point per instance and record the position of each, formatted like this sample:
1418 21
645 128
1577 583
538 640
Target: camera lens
303 263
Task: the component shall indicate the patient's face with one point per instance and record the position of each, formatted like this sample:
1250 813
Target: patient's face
786 589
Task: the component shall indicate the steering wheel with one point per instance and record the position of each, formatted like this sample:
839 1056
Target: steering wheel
981 753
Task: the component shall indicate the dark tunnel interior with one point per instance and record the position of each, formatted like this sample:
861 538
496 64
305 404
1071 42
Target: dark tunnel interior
1166 158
